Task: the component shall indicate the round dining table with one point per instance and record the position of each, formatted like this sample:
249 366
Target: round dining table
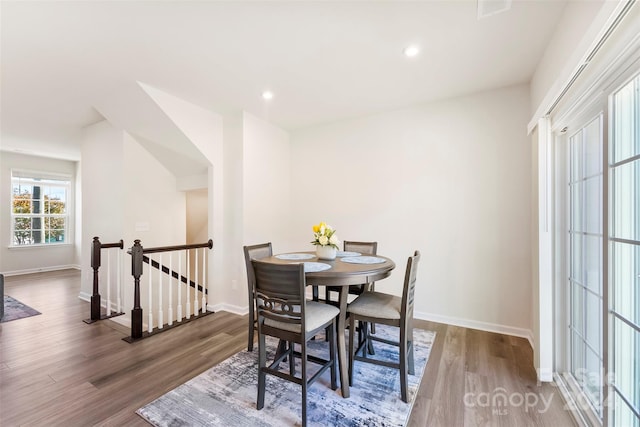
344 271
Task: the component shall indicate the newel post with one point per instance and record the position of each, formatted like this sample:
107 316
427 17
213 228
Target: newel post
136 272
96 247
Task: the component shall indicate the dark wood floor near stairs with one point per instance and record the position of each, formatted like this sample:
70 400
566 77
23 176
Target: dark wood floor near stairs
57 370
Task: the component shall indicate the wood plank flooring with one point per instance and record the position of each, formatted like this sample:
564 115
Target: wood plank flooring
57 370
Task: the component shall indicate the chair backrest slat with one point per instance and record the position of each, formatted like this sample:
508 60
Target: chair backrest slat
365 248
280 291
410 285
260 251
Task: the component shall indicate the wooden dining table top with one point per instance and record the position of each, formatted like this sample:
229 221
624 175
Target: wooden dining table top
341 273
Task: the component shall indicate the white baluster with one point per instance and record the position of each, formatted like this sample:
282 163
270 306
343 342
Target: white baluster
210 291
179 286
195 290
160 312
170 287
188 311
150 324
108 282
204 281
119 284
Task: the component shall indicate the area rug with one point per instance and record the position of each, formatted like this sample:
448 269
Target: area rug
14 309
225 395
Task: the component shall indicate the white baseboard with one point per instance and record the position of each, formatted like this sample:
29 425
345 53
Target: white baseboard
545 375
84 296
476 324
235 309
123 320
466 323
41 270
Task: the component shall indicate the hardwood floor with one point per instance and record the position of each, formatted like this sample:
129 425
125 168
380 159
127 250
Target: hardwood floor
57 370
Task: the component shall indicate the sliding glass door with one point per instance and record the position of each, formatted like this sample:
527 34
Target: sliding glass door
601 363
585 261
625 255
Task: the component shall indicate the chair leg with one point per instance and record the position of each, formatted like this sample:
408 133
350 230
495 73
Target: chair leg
352 332
314 293
412 370
332 355
292 362
372 288
363 332
363 335
403 365
262 376
410 349
305 384
369 340
252 321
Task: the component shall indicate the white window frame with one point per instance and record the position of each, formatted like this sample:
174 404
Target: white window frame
47 179
600 100
618 394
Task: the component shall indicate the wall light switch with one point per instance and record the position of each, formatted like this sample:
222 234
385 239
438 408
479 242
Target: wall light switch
142 226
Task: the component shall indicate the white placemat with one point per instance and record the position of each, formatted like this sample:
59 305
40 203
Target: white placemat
312 267
347 253
295 256
363 260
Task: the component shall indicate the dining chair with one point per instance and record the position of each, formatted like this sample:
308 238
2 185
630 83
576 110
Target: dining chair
381 308
284 313
262 250
364 248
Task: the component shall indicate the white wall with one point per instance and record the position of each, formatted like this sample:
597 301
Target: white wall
151 200
266 183
128 195
452 179
567 45
197 216
234 288
26 260
259 165
102 175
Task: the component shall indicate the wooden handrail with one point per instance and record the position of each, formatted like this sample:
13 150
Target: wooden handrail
137 259
208 244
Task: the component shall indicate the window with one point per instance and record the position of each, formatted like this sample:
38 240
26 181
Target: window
39 209
601 273
624 241
585 260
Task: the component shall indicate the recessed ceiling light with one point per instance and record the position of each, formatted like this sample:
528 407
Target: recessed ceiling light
411 51
267 94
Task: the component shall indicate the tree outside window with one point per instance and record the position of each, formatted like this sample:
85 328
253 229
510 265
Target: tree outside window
39 210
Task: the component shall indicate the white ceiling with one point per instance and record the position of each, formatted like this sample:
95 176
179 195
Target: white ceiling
324 60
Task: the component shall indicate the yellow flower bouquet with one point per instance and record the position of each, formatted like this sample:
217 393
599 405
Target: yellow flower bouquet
325 235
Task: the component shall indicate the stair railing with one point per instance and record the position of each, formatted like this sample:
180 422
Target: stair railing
195 306
96 299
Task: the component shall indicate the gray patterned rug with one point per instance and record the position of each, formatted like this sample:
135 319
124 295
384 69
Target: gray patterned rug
14 309
225 395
